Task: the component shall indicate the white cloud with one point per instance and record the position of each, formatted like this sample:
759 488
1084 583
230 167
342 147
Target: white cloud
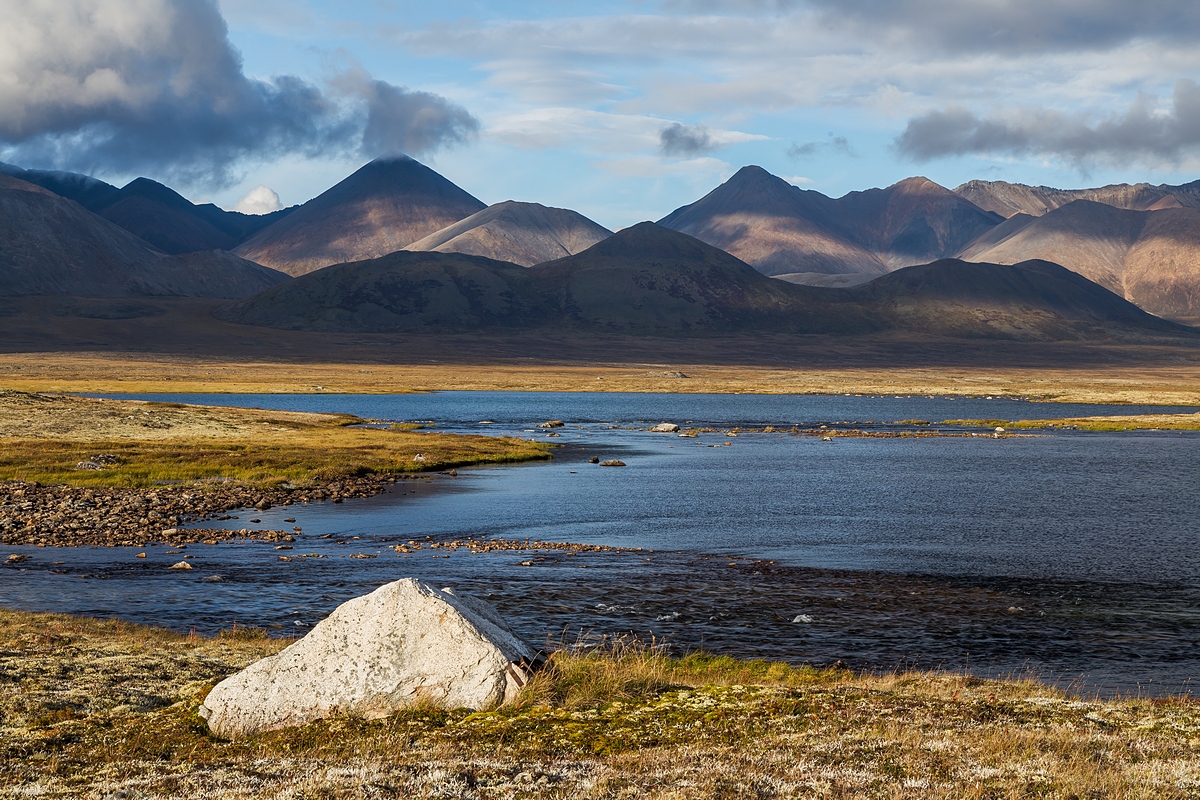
259 200
595 131
705 169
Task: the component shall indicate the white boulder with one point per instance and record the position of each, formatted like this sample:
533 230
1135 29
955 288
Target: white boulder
665 427
402 644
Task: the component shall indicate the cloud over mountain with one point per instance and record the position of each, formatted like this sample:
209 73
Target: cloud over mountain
156 85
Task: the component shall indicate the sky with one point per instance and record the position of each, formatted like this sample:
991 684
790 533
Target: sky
620 109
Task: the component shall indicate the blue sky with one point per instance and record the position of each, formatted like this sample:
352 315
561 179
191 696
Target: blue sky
566 103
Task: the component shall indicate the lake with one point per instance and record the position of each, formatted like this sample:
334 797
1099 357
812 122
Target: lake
1071 556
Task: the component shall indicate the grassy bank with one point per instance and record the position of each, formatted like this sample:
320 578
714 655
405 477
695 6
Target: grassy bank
1140 422
47 437
93 708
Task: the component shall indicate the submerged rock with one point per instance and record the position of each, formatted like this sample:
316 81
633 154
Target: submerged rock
405 643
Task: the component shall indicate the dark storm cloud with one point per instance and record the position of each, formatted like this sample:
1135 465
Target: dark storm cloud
155 85
1141 132
678 139
837 145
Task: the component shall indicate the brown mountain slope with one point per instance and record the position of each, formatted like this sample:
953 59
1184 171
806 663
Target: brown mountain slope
1162 269
1007 199
992 237
381 208
780 229
774 226
1089 238
520 233
651 281
1149 257
911 222
51 245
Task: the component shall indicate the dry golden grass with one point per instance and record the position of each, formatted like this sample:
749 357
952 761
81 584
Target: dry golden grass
46 436
115 373
1136 422
93 708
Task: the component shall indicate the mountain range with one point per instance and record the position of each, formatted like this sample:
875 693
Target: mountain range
398 247
782 230
650 280
1009 199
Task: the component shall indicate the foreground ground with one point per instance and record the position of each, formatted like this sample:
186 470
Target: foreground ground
104 709
1121 376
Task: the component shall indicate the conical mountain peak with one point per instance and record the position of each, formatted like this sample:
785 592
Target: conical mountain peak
384 206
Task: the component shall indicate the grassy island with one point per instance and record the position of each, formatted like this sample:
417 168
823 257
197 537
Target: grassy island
95 708
48 436
75 470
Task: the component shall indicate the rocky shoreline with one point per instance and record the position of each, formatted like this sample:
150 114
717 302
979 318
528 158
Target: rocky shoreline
69 516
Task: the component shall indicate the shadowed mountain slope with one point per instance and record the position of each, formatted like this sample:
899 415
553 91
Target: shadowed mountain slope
780 229
160 216
381 208
1032 300
1151 258
402 291
648 280
171 223
82 189
648 277
521 233
1008 199
52 245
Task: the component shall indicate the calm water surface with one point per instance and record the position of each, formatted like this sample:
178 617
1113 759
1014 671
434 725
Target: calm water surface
1071 556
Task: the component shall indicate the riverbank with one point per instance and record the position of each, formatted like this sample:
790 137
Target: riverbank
81 471
95 708
1109 380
